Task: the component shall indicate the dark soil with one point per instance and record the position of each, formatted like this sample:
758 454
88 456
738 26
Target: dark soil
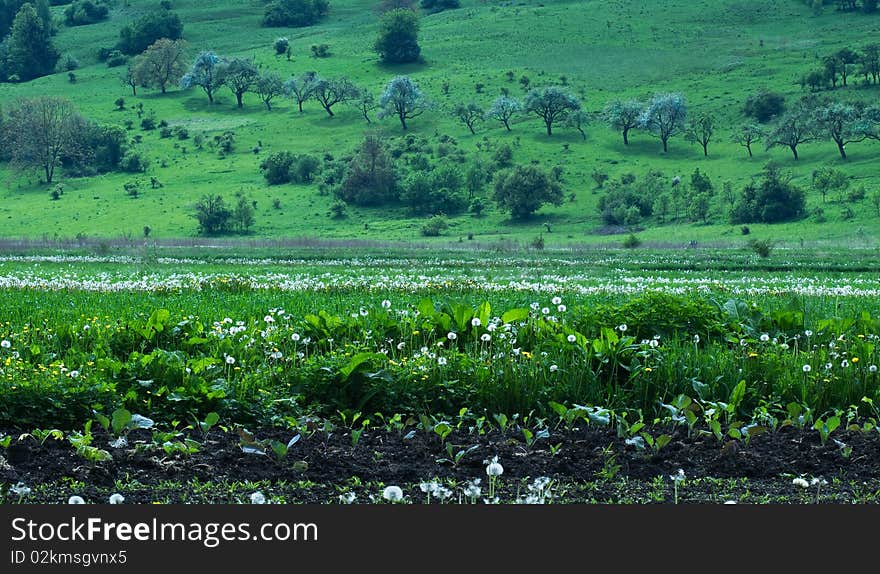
390 458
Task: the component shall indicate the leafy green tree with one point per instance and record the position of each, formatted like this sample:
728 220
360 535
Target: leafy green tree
82 12
334 91
435 6
207 72
43 131
747 135
578 120
870 63
370 178
276 167
842 123
295 13
700 131
793 129
398 40
469 114
242 217
503 109
624 116
29 49
665 116
161 65
827 179
301 88
212 214
240 75
764 105
402 98
138 36
268 86
522 190
550 104
774 199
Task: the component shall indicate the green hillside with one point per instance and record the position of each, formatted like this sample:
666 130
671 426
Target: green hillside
716 53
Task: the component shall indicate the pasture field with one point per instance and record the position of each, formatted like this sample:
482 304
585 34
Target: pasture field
717 53
318 379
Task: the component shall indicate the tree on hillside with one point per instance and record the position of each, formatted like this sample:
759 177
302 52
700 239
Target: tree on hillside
846 59
550 104
827 179
664 117
29 49
402 98
129 78
398 40
239 75
747 135
700 131
870 63
522 190
41 132
366 103
793 129
764 105
469 114
842 123
334 91
624 116
161 65
268 86
207 73
295 13
775 198
212 214
578 120
370 178
138 36
503 109
301 88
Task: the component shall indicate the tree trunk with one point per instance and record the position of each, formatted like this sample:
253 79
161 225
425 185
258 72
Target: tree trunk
506 124
268 105
48 169
300 105
238 96
626 136
749 147
329 111
471 127
841 150
705 150
402 120
665 146
794 151
163 88
549 127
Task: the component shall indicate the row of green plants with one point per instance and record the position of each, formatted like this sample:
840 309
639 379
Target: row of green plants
436 357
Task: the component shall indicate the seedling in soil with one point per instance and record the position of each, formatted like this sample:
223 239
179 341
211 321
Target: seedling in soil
456 456
555 449
610 466
6 441
43 435
211 419
82 442
826 427
531 437
442 429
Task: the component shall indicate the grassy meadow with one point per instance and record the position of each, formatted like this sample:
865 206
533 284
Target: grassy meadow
716 53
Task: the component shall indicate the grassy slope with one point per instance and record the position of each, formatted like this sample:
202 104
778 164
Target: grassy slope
716 52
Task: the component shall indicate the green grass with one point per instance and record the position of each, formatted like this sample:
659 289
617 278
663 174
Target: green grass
717 53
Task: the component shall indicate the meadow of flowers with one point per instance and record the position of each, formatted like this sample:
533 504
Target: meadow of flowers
111 345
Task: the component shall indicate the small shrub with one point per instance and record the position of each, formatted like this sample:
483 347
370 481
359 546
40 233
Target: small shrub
281 45
134 162
538 243
761 247
631 242
320 50
435 226
745 230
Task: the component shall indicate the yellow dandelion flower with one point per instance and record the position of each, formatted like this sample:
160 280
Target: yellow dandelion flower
753 355
855 359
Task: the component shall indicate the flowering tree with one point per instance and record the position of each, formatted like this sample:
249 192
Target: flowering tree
207 73
665 117
402 98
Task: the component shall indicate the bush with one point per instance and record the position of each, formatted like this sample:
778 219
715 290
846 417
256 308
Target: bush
115 59
435 226
212 214
762 247
764 105
434 192
276 167
82 12
771 200
632 241
434 6
304 168
295 13
320 50
281 45
538 243
629 200
651 314
137 37
134 162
